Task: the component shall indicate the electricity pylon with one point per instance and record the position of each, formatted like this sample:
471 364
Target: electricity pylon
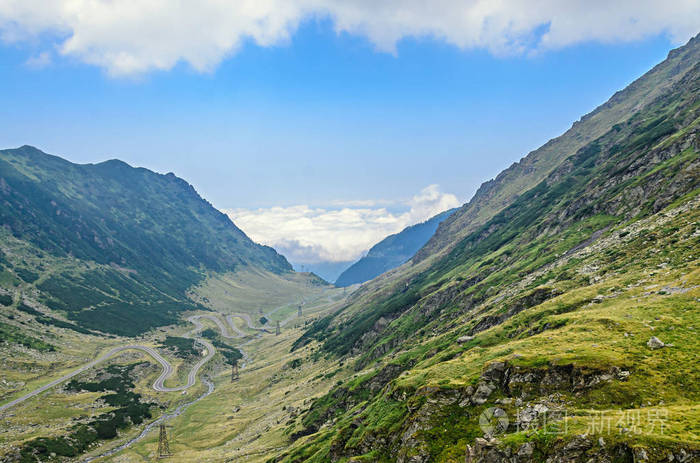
163 446
234 371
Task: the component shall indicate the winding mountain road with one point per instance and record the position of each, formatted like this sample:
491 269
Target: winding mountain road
168 369
236 333
228 330
246 318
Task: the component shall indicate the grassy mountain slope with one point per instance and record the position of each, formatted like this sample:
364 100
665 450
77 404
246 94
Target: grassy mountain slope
546 304
112 247
495 195
392 251
498 193
253 290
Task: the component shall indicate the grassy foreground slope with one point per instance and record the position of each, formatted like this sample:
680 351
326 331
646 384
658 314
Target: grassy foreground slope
543 309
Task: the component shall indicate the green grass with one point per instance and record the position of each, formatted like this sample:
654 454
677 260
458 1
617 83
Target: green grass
127 410
548 307
182 347
13 335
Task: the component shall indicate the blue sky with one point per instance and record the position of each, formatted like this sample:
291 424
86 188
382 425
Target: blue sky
325 117
322 116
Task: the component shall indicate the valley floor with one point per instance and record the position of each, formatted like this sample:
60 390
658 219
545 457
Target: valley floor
599 328
246 420
233 421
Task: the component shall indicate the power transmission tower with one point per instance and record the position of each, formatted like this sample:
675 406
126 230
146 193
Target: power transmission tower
234 371
299 313
163 446
277 330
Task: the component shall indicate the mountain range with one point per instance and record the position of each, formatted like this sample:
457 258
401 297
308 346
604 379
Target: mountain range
552 318
392 251
115 248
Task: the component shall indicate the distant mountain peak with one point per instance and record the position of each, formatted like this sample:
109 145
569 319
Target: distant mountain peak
392 251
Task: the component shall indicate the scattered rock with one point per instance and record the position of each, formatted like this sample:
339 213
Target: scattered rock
385 375
525 450
526 416
655 343
482 393
579 443
469 455
541 408
463 339
466 400
640 455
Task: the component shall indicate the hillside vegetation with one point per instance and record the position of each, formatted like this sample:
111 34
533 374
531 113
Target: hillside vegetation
498 193
112 247
554 318
542 307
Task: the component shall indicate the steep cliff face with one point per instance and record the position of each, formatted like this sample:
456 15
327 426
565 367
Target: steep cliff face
544 309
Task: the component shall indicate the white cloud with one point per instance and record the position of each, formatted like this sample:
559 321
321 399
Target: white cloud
39 61
429 202
134 36
363 203
310 235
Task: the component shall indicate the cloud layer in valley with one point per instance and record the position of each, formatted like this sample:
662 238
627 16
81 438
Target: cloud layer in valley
128 37
310 235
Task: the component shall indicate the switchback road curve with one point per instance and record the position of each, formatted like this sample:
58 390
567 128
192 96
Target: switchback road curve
168 369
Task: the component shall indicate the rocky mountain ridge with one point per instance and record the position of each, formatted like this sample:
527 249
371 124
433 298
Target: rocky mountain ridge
549 304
